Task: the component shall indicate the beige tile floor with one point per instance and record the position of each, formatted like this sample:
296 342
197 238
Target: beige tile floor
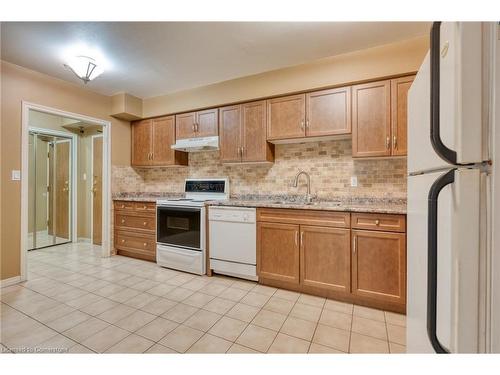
75 301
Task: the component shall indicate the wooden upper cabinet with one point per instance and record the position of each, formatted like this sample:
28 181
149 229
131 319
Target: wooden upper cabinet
243 134
141 143
185 125
371 119
328 112
207 123
197 124
379 265
163 130
325 258
255 147
278 252
286 117
152 141
230 133
399 116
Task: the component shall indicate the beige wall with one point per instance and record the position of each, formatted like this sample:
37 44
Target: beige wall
18 84
382 61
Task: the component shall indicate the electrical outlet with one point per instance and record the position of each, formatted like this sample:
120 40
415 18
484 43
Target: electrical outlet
354 181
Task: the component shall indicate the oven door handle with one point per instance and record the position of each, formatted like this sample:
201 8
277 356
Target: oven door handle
178 208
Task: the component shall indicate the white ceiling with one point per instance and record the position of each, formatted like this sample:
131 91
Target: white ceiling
153 58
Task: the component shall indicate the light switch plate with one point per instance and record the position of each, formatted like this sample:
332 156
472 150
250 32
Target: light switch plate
16 175
354 181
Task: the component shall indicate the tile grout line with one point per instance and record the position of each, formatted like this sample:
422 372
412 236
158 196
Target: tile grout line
57 274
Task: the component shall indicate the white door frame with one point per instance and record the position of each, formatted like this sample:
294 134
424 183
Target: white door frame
92 137
106 180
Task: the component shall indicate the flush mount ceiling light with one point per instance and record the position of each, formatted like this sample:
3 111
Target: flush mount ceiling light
86 68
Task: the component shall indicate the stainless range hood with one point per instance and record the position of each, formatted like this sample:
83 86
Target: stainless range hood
197 144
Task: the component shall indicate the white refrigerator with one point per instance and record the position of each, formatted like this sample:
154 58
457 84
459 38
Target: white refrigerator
451 120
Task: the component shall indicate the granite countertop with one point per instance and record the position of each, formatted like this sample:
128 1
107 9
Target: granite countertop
351 204
375 205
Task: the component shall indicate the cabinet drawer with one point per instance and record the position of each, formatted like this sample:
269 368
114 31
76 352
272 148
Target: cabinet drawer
135 222
304 217
124 205
128 241
383 222
145 206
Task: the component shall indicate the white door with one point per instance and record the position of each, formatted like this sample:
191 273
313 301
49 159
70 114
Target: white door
458 247
461 94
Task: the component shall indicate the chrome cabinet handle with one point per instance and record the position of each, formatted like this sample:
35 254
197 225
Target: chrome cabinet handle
377 222
296 238
394 142
302 124
193 127
145 244
307 124
354 245
387 142
145 223
302 238
123 221
123 241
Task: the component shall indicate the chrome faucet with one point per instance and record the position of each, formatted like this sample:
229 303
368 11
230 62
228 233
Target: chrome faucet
296 181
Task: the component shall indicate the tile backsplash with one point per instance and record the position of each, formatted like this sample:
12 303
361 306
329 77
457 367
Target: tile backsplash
329 163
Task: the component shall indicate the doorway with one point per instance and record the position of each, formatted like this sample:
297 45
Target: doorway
57 200
51 189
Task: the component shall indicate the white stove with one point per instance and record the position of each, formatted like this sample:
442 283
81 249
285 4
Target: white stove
181 225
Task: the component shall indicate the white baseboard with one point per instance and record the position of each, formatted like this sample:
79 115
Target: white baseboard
84 239
10 281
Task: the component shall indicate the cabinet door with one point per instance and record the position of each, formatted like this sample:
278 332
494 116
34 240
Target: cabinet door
325 258
278 251
230 134
328 112
184 125
254 143
286 117
207 123
141 143
163 138
399 108
371 119
379 265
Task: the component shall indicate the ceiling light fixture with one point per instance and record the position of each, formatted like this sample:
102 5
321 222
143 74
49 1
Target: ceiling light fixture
86 68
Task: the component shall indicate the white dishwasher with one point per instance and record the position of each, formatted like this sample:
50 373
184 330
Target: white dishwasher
232 241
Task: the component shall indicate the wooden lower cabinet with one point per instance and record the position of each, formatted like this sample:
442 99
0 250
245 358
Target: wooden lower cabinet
379 265
135 229
278 252
325 258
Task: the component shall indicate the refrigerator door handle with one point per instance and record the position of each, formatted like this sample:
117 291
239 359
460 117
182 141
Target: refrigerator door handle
440 148
432 227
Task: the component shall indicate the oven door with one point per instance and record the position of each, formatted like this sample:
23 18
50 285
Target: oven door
179 227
